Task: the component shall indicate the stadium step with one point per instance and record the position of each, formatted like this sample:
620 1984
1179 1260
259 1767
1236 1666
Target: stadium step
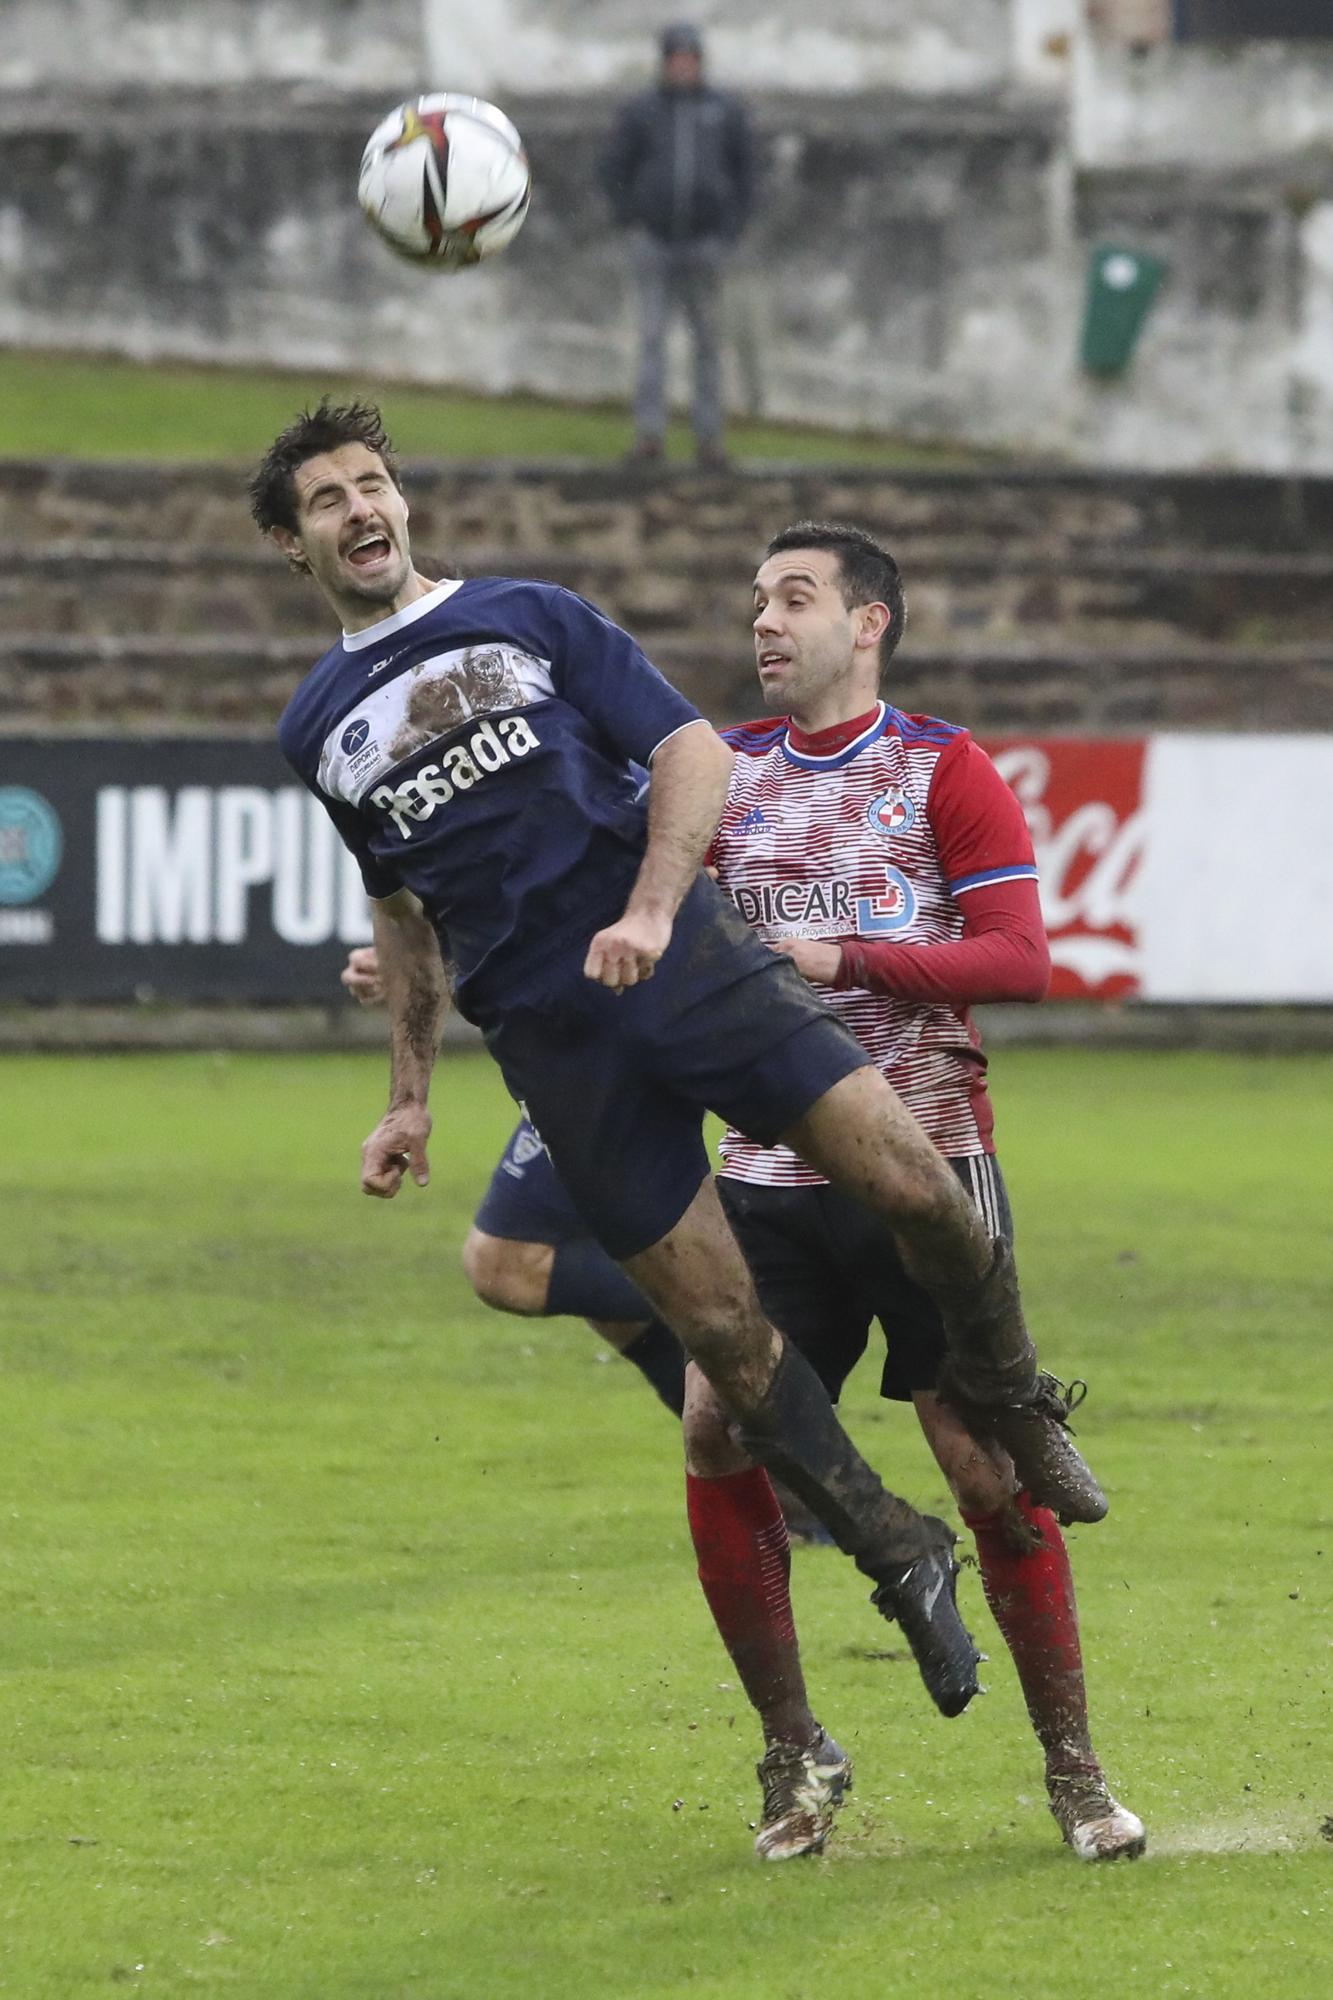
238 684
140 593
598 509
956 590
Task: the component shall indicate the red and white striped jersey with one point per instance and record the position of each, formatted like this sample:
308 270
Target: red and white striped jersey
876 837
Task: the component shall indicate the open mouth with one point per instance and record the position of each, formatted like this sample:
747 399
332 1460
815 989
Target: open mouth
369 551
771 662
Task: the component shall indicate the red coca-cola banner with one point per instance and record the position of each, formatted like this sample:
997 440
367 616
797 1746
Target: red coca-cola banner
1083 801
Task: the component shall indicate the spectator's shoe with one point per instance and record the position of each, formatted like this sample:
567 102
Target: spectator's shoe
802 1791
1094 1824
922 1596
712 458
1035 1432
646 451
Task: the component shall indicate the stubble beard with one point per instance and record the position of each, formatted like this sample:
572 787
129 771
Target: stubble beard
382 590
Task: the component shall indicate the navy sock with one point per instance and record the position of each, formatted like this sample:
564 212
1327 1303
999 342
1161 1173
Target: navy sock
660 1359
588 1284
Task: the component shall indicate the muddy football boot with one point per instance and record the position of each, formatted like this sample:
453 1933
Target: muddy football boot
991 1376
922 1597
1035 1432
1094 1824
802 1791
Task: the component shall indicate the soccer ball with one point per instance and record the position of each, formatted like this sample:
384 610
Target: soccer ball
445 180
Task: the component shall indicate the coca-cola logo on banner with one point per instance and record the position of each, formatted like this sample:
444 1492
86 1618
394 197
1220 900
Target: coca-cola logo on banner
1083 802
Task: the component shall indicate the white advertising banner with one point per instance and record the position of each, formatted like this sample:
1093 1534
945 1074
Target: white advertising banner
1189 868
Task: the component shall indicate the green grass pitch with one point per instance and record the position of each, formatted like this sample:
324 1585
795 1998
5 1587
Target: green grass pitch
352 1649
81 406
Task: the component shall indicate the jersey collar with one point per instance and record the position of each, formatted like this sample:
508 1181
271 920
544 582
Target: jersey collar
827 748
356 642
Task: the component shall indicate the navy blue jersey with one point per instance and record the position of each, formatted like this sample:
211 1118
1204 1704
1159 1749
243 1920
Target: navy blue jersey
476 749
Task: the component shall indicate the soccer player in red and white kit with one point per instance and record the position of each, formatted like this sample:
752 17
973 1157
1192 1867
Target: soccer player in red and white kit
885 855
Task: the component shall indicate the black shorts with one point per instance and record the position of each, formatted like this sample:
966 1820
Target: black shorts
825 1267
617 1084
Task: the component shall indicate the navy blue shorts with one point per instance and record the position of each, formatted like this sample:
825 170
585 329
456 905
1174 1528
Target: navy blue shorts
525 1202
825 1267
617 1084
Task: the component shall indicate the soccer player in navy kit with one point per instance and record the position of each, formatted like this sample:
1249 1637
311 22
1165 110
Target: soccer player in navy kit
471 743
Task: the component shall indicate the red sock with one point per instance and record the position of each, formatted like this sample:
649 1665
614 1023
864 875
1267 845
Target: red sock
744 1556
1031 1594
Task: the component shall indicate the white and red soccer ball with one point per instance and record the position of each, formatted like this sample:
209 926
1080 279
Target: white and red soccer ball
445 181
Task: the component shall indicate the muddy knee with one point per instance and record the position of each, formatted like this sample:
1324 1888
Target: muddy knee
711 1449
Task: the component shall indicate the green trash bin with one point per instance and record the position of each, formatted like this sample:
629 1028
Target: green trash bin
1122 284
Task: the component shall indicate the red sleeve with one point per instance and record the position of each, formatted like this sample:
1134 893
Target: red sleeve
978 824
1002 954
985 851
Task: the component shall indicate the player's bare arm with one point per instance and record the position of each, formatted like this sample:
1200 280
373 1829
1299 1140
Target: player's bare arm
411 974
690 773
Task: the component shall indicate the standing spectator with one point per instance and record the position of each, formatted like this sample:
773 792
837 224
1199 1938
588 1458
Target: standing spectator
679 171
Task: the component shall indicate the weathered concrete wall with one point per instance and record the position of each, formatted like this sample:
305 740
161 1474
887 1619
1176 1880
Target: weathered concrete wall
919 261
545 45
147 44
501 46
899 272
918 267
1042 36
1222 104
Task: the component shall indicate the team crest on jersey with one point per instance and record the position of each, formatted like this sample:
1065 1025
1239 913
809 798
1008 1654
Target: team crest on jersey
892 812
892 910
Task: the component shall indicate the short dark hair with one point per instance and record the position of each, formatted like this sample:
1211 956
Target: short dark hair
325 428
868 573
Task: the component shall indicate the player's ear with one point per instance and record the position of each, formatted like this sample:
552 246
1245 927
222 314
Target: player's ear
290 544
875 621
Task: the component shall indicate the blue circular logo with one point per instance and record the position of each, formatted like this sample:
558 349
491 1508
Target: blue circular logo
355 735
31 844
892 812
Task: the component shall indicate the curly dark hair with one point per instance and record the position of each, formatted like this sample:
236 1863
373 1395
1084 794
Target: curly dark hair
868 573
325 428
